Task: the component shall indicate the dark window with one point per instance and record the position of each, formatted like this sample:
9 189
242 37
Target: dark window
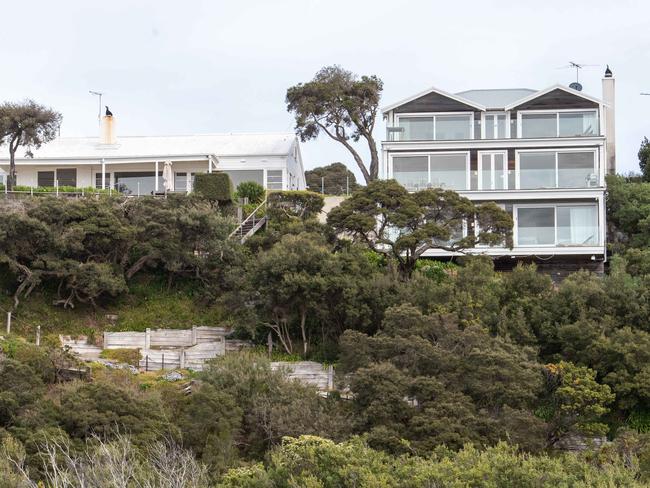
67 176
138 182
98 180
45 178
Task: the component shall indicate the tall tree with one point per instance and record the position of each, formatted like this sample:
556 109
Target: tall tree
333 179
402 225
342 106
26 124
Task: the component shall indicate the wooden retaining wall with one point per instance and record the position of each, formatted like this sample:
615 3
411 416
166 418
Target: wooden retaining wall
193 357
308 372
163 338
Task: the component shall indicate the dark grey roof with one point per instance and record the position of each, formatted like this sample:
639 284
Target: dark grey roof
496 98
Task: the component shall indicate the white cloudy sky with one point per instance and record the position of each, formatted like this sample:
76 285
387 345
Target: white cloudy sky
177 67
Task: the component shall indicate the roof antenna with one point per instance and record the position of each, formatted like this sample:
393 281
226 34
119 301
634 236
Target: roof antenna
577 66
99 112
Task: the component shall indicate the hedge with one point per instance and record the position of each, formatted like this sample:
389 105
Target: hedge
215 187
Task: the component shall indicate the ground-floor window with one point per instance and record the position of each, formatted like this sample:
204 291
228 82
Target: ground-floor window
45 178
66 177
557 225
138 182
239 176
274 179
183 181
98 180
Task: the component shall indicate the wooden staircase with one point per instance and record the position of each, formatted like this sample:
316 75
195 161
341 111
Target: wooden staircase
251 224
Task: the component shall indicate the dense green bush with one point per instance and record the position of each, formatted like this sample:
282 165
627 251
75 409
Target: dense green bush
251 190
214 187
286 206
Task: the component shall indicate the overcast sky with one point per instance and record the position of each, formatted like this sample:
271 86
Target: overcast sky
182 67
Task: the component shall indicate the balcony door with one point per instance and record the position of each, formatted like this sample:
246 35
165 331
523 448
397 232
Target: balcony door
492 170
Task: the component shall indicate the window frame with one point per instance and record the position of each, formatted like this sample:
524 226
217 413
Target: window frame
479 165
428 154
434 115
494 114
515 227
557 113
557 152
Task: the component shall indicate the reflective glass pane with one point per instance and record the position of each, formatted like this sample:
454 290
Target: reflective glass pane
535 226
66 176
499 181
274 179
411 171
577 226
539 125
578 124
449 171
501 126
416 128
576 170
486 172
239 176
489 127
452 127
537 170
138 182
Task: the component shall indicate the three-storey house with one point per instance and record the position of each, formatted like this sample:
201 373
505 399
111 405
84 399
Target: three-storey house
542 155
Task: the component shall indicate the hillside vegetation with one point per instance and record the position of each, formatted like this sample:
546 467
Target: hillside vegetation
457 375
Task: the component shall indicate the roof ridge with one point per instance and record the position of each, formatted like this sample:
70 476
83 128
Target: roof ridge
495 89
209 134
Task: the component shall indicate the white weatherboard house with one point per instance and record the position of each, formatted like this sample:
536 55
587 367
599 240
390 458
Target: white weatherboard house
542 155
130 164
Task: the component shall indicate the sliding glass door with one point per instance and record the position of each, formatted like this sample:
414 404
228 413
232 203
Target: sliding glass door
557 225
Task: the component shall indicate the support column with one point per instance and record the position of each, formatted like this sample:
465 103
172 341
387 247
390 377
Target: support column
209 164
103 174
155 187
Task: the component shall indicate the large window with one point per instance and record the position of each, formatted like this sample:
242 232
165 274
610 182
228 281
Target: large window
183 181
239 176
98 180
494 126
561 225
557 169
412 171
447 170
559 124
138 182
66 176
274 179
45 178
435 127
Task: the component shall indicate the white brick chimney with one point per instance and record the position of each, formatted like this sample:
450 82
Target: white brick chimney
609 97
107 134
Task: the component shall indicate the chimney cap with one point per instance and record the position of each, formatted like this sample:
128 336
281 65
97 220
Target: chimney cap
608 72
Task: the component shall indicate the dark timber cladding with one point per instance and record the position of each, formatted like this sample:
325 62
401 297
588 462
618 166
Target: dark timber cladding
434 102
556 99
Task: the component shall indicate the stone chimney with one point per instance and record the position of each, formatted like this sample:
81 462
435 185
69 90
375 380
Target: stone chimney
107 134
609 98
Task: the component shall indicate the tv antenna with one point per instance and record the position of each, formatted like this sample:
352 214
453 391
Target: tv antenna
577 66
99 112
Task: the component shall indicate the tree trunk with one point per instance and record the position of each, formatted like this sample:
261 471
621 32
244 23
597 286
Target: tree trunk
303 320
374 158
11 179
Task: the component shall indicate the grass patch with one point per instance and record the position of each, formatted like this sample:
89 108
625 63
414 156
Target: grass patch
128 356
149 304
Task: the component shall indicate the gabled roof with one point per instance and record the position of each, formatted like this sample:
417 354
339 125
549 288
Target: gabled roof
496 98
439 92
535 95
264 144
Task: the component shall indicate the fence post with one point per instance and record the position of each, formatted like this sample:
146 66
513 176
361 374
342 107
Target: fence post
38 335
8 322
146 363
147 338
322 185
330 377
162 365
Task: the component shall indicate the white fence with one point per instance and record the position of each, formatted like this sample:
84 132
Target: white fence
193 357
308 372
164 338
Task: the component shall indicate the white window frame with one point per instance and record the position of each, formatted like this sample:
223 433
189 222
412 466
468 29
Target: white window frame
479 167
429 154
515 219
557 113
518 152
493 114
433 115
